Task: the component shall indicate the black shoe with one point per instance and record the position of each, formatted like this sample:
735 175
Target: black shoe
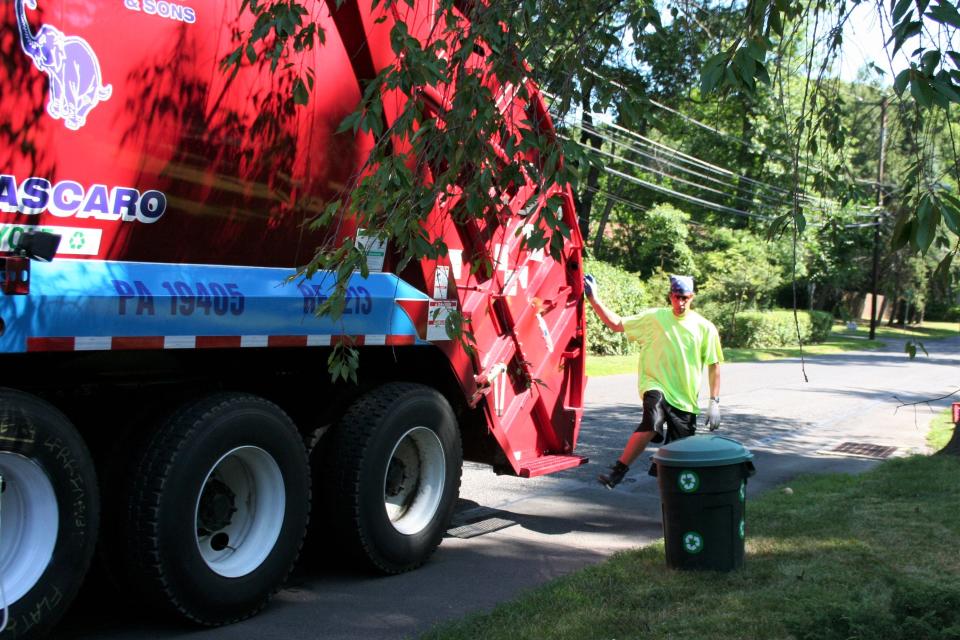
612 479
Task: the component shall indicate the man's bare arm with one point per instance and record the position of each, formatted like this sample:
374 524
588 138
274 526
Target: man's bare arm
713 371
608 316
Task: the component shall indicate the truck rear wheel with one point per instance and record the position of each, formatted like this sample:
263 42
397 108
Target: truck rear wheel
219 508
49 513
392 475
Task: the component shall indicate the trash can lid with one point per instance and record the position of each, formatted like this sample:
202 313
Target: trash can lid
702 451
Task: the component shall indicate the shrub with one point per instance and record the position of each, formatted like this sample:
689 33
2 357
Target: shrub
767 329
821 322
620 291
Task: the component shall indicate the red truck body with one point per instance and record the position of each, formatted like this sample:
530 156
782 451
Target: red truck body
182 194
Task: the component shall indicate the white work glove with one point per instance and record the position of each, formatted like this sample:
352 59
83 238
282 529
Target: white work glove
590 286
713 414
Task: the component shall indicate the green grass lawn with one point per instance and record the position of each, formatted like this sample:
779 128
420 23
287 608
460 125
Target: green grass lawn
840 340
870 556
941 430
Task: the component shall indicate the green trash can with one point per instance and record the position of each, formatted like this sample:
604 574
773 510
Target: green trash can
703 483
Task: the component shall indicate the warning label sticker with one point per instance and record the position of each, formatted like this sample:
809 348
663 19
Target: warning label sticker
374 249
437 314
441 281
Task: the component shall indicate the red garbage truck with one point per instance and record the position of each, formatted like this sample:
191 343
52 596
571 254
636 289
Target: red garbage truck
165 404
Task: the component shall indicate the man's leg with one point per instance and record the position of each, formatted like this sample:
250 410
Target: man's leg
635 445
653 417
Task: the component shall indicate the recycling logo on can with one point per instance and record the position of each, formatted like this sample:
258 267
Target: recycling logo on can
688 481
692 542
743 529
743 490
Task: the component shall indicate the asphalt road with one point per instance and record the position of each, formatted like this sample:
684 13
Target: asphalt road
561 523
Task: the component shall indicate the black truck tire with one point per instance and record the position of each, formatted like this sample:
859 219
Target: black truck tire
49 513
391 475
218 509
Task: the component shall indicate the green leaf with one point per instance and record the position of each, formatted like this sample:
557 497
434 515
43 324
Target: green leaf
942 273
899 9
904 31
712 72
756 50
947 89
762 74
910 348
900 83
776 23
783 6
902 231
929 62
928 218
745 64
300 94
945 13
951 213
921 91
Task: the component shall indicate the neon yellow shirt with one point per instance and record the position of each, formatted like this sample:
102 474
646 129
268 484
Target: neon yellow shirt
673 352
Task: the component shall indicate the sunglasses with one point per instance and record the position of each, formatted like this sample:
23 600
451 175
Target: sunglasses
681 296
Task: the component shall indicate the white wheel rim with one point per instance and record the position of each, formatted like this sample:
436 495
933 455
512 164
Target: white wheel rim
29 521
413 482
235 541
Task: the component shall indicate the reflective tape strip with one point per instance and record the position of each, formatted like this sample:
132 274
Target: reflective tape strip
127 343
92 343
179 342
49 344
219 342
146 343
287 341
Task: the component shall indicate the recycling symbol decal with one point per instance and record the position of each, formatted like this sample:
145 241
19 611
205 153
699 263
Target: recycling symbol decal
77 240
688 481
743 529
743 490
692 542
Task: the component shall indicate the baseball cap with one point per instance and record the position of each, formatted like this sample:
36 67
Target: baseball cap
681 284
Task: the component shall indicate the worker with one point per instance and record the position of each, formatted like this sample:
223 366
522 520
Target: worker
675 345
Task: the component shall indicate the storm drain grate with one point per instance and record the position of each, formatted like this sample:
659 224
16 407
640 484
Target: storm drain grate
477 522
863 450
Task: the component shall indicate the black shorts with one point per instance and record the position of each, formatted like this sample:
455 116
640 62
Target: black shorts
657 411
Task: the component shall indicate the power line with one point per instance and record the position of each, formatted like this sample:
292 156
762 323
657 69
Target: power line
685 196
664 159
662 173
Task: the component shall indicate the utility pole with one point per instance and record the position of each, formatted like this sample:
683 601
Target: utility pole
876 229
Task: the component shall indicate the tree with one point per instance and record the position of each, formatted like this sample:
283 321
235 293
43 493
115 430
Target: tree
742 274
414 161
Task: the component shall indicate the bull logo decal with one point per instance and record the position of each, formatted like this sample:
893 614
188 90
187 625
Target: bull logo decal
70 63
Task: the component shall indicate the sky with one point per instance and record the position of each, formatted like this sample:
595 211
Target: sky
863 42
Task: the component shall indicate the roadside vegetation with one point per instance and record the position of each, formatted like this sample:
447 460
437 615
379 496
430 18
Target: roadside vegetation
837 557
840 340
